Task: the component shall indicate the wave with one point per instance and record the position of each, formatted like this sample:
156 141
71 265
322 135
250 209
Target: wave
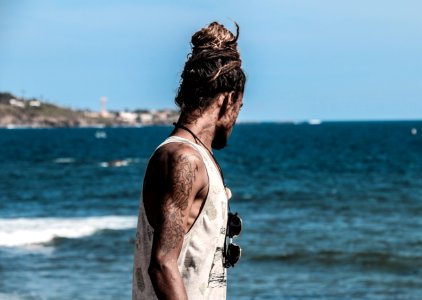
387 260
64 160
29 231
120 162
112 163
13 296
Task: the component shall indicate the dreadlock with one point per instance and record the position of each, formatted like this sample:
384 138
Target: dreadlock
213 67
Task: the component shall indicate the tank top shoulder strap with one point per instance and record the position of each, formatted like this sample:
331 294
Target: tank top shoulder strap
209 163
198 148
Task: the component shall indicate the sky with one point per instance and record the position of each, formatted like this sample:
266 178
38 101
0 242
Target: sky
304 59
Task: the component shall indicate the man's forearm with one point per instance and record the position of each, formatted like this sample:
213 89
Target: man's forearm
167 282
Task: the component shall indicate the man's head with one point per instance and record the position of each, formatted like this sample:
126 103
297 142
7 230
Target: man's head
213 77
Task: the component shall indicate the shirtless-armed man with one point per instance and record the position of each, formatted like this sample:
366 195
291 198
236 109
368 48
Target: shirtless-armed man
181 234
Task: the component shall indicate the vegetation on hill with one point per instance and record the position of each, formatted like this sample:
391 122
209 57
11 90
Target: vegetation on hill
18 112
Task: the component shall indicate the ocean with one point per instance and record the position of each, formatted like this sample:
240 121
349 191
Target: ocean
330 211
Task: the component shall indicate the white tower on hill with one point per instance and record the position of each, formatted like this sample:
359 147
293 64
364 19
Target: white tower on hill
103 102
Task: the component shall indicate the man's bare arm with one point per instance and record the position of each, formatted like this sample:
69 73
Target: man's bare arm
180 181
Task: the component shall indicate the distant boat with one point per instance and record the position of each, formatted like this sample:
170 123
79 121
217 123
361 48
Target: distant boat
314 122
100 134
414 131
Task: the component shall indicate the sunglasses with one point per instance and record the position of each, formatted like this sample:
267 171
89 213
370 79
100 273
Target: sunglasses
232 251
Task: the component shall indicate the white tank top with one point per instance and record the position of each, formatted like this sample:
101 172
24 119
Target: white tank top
200 261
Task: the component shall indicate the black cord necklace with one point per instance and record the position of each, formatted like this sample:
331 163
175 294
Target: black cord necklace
198 140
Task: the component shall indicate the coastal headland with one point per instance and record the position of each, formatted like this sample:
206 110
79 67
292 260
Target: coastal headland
18 112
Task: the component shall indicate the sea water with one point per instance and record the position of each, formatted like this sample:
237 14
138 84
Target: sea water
330 211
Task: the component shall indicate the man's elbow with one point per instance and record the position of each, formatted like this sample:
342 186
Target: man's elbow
159 268
154 270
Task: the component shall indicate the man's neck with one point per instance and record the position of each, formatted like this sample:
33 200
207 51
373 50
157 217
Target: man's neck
202 127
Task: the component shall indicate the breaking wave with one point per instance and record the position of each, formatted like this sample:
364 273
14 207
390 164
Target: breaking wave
29 231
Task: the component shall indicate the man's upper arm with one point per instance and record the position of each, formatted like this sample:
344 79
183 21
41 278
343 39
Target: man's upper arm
173 179
182 179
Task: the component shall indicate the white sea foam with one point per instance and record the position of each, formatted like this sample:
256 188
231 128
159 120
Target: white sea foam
28 231
5 296
120 162
64 160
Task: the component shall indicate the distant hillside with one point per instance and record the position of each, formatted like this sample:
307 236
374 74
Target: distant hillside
18 112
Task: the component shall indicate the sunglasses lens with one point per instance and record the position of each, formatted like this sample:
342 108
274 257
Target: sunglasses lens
233 254
235 225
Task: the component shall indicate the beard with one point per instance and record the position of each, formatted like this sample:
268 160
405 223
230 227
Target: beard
220 139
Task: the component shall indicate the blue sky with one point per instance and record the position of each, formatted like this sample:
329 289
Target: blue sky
331 60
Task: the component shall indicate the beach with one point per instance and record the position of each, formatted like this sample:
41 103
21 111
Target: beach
331 210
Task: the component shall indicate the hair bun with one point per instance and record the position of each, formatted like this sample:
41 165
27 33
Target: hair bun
213 67
216 37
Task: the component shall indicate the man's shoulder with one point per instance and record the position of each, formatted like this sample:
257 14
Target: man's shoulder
178 164
176 153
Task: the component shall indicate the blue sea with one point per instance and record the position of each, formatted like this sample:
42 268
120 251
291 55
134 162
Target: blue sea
331 211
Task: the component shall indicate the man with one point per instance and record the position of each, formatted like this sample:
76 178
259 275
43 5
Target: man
183 215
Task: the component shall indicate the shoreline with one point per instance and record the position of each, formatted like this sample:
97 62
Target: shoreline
165 124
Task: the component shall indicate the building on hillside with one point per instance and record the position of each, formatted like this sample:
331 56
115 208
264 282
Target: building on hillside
17 103
128 117
34 103
145 118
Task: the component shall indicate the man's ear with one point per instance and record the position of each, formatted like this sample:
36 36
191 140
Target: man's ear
231 97
223 101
